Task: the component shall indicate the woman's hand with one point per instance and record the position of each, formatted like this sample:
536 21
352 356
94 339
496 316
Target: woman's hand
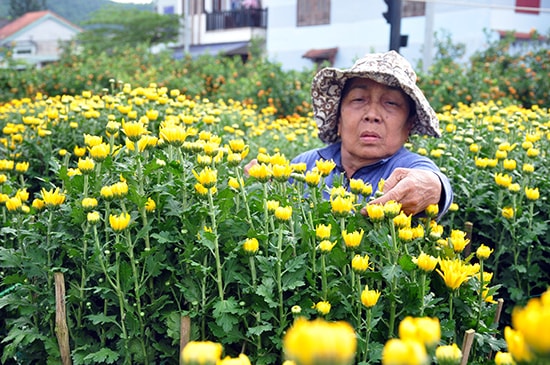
415 189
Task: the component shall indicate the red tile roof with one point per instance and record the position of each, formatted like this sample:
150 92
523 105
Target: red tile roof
24 21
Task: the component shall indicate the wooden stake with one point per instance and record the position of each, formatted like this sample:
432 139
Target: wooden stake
467 345
61 330
468 229
185 332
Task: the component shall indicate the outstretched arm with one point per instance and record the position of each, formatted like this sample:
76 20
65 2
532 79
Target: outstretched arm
415 189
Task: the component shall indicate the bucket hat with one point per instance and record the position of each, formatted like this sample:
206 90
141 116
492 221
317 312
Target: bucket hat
389 68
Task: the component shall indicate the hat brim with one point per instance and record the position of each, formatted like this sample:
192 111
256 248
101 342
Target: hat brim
326 93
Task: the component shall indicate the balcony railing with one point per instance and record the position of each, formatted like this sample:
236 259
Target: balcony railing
241 18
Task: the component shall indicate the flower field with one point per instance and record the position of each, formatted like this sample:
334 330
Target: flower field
136 199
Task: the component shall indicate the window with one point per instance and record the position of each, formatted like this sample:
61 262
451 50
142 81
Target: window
313 12
168 10
521 4
413 8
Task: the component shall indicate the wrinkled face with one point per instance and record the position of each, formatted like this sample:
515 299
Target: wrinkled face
374 122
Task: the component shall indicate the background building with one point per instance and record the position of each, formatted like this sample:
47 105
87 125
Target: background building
299 33
37 37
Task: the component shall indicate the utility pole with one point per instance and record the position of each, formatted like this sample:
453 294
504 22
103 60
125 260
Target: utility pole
393 17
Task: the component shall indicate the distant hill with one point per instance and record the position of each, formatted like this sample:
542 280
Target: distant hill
77 11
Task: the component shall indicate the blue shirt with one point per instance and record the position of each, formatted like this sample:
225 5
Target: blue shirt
379 170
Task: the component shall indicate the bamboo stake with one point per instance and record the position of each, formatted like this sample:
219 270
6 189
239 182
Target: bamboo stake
61 330
185 331
467 345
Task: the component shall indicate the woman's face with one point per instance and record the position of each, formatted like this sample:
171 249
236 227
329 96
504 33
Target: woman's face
374 122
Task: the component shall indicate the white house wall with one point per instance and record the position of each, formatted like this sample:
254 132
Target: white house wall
46 35
358 27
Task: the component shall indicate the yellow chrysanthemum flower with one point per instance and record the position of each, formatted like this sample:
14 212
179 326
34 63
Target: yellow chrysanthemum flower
320 342
458 240
21 167
119 222
432 210
517 345
448 354
251 245
375 212
369 298
426 262
325 246
281 172
93 217
52 198
14 204
325 167
100 152
360 263
283 213
392 209
201 353
341 206
455 272
483 252
242 359
532 193
150 205
532 322
504 358
503 180
323 307
262 172
424 329
398 352
133 130
353 239
89 203
272 205
207 177
508 212
313 178
86 165
322 231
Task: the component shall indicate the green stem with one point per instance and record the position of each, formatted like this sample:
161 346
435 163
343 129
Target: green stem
137 293
367 333
451 295
243 195
279 273
480 297
219 276
116 286
393 308
422 292
324 285
253 272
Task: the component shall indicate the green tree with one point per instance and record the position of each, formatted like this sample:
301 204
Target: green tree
20 7
111 27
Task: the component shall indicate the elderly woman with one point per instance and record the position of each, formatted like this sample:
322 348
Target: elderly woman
365 114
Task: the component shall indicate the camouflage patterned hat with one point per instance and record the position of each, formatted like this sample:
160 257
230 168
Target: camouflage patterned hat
389 68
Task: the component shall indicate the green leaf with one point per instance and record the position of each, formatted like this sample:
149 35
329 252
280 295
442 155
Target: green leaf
105 356
407 263
391 272
101 319
258 330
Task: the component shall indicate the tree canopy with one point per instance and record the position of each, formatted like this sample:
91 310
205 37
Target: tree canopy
111 27
19 7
